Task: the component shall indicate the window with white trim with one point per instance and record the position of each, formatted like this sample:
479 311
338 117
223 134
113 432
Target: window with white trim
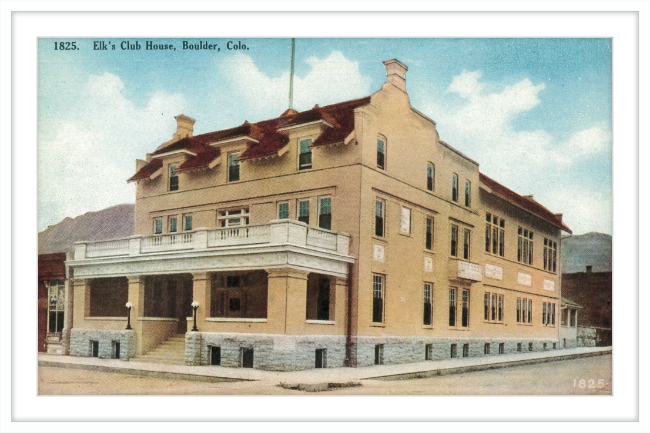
304 154
55 306
157 225
493 307
548 313
524 310
325 213
380 217
431 176
173 223
378 292
187 222
381 153
303 210
233 167
453 292
283 210
428 240
454 240
173 177
468 193
427 319
454 187
494 234
524 246
467 244
550 255
233 217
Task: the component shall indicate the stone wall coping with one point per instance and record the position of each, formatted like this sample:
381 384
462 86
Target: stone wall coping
321 322
157 319
235 319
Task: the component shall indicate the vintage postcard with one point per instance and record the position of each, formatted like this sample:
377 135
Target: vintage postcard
268 216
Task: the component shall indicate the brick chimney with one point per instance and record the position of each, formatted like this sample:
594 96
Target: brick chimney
184 126
396 73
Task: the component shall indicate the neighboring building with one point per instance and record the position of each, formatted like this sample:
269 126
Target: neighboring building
590 249
54 314
569 323
593 291
348 234
51 301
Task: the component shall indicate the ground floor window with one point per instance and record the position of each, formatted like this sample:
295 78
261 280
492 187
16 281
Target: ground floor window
247 357
56 306
454 350
321 358
465 350
502 348
428 352
108 297
379 354
215 355
239 295
486 349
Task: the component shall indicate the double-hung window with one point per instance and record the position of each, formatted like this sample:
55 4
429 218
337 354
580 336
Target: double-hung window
548 313
304 156
524 310
431 177
378 283
325 213
453 293
468 193
283 210
428 241
233 217
56 306
454 187
454 241
303 211
550 255
524 246
233 167
173 224
493 307
494 234
464 312
381 153
157 225
428 304
380 213
173 177
467 244
187 222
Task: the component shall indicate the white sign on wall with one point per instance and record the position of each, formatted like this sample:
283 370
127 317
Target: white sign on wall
524 279
378 253
405 224
493 271
549 285
428 264
468 270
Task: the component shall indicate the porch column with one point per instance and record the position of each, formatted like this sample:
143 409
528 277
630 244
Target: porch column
201 285
340 287
68 312
136 298
296 301
81 304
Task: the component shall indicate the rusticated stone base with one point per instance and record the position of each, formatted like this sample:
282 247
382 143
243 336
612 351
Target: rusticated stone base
81 343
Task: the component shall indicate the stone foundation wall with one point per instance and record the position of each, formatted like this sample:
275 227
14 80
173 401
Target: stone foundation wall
288 353
586 337
80 343
270 352
401 350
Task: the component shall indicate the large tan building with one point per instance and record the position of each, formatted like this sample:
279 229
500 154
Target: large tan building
348 234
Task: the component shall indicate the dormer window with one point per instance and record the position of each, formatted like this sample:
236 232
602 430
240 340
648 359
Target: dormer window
304 156
381 153
233 167
173 177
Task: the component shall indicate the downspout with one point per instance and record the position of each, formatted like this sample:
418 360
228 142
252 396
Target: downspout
348 336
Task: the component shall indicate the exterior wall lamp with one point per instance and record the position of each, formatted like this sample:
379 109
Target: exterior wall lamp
195 306
128 323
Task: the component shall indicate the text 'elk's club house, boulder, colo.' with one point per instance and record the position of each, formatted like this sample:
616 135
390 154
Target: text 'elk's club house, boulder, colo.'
344 235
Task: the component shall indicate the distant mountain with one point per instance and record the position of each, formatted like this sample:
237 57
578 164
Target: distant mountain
111 223
591 249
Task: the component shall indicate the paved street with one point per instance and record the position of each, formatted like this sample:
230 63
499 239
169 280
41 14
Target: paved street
557 377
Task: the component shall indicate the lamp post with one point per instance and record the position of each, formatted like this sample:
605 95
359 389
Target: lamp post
128 323
195 306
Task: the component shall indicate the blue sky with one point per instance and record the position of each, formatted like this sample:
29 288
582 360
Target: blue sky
535 113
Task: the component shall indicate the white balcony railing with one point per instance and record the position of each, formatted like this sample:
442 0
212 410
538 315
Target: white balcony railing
278 232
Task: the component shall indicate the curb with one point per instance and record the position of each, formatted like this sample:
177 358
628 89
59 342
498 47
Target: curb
470 368
142 373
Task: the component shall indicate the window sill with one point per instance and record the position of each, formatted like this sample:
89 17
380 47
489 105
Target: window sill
454 328
157 319
380 239
378 325
321 322
525 324
406 234
235 319
427 326
105 318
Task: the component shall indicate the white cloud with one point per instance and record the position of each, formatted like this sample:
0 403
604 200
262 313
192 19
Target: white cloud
85 163
527 161
330 80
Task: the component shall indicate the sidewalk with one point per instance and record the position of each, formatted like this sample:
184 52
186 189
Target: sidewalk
315 377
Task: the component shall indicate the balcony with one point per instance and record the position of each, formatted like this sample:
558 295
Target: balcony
280 243
466 271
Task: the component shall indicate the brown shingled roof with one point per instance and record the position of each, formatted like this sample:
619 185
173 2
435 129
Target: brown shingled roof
147 170
526 203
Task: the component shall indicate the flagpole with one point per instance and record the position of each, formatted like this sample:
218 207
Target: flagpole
293 53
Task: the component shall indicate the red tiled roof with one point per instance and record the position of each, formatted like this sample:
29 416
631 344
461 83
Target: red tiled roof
526 203
147 170
269 140
51 266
